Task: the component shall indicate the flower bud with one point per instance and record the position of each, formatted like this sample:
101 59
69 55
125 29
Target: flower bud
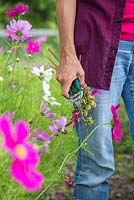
90 120
9 51
17 59
1 79
93 104
29 55
92 97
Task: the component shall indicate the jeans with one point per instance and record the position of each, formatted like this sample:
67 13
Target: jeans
93 172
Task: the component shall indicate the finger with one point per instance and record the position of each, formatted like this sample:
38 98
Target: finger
82 78
59 78
65 89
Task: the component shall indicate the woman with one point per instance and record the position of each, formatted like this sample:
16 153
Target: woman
93 30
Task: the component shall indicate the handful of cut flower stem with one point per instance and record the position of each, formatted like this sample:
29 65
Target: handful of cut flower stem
83 101
87 103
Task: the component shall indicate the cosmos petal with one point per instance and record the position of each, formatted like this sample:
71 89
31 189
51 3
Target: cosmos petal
26 176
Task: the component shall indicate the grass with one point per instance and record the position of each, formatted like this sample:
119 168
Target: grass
25 100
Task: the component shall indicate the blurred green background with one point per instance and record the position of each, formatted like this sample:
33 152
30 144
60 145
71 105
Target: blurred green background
42 13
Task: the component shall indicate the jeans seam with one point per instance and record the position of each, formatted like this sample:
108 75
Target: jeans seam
132 92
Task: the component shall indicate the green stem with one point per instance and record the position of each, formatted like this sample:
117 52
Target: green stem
9 54
53 54
70 155
43 191
51 61
4 64
76 150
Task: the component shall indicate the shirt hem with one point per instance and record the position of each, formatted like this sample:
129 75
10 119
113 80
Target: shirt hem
127 37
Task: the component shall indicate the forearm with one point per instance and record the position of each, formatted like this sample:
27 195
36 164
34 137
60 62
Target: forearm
66 11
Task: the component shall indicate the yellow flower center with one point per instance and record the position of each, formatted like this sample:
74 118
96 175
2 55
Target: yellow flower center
33 46
20 151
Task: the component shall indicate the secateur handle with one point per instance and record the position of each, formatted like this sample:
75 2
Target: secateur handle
75 87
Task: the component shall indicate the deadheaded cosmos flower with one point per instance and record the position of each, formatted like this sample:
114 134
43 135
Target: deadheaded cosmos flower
33 47
116 125
58 126
75 118
19 10
25 157
69 182
46 111
19 30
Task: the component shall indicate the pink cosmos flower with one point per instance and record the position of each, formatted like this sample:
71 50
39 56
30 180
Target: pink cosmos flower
10 115
33 46
25 157
1 50
75 118
116 125
58 126
19 10
41 135
95 91
41 39
19 30
46 111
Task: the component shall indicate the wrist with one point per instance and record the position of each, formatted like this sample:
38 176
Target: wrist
69 56
68 52
68 49
69 59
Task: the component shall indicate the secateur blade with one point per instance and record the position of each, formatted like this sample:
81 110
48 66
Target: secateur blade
76 93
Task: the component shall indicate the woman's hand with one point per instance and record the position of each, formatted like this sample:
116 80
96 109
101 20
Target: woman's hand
68 70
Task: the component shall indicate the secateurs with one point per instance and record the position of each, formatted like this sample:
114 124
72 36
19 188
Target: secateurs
76 93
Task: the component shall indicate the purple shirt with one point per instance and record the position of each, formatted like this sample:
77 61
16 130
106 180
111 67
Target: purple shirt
97 32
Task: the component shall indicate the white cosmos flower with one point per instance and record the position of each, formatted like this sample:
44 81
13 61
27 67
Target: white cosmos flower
38 71
46 98
48 74
54 102
47 93
46 87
